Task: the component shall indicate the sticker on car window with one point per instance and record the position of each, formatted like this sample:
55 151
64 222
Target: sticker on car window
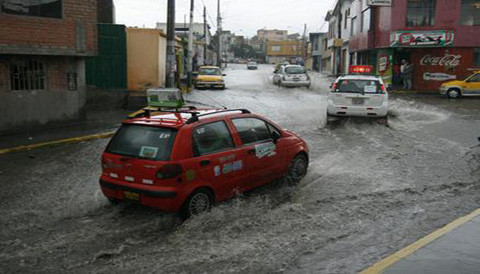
164 135
200 130
265 150
216 170
370 89
148 152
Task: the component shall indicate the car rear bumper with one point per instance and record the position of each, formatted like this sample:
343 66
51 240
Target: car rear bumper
296 83
357 111
165 199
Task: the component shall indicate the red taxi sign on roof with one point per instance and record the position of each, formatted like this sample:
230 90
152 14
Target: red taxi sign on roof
360 69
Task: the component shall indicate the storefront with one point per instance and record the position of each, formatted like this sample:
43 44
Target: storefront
432 54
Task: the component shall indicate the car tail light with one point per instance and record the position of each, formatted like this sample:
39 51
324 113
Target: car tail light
382 87
169 171
334 86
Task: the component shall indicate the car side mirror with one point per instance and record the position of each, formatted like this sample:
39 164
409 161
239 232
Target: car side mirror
275 136
224 74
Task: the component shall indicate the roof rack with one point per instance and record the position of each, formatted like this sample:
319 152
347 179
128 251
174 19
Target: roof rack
145 112
195 115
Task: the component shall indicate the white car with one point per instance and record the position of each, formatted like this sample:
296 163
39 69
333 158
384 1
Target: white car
358 96
252 65
292 76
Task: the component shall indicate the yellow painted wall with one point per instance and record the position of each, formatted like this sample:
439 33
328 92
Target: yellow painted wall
287 48
146 54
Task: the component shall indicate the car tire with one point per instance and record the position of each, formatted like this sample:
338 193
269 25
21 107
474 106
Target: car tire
113 201
200 201
453 93
297 169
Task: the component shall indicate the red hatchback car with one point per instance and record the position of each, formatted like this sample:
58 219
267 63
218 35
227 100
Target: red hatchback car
187 160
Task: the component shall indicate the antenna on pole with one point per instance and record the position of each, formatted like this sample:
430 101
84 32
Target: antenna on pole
190 48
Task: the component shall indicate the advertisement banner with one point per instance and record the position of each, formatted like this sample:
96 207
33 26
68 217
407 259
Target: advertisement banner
430 38
379 2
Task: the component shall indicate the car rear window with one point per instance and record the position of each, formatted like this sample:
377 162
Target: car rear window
358 86
145 142
295 70
209 71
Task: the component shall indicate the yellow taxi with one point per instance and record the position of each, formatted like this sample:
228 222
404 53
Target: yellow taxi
468 87
209 77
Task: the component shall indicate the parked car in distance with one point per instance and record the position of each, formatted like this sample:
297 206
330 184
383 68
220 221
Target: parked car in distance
209 77
252 65
358 96
186 160
456 88
292 76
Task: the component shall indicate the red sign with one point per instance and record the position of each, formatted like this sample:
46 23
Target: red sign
360 69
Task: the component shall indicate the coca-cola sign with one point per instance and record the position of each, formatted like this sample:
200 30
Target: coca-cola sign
448 60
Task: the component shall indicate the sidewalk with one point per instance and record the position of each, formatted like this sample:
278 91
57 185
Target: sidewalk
455 248
98 121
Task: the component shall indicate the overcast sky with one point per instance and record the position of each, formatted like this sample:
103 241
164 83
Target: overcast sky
243 17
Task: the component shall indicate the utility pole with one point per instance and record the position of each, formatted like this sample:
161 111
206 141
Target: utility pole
170 62
304 45
219 30
205 35
190 48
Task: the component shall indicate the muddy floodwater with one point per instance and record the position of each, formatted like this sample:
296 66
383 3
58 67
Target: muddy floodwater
371 189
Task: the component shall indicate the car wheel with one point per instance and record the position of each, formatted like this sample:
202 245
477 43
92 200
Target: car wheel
453 93
297 169
113 201
197 203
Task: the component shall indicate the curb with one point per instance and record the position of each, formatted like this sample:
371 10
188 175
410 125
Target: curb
58 142
380 266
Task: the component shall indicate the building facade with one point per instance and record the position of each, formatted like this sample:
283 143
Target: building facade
316 40
43 46
272 35
278 51
439 37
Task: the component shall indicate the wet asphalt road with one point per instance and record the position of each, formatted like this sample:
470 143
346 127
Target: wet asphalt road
370 191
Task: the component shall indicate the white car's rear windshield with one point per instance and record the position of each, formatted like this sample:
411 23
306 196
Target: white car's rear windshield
358 86
295 70
145 142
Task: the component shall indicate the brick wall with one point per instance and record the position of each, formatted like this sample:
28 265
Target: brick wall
74 34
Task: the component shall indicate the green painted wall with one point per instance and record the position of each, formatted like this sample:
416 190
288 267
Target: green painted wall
109 68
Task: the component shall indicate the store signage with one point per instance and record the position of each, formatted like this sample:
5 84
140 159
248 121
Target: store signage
432 38
382 63
448 60
360 69
379 2
434 76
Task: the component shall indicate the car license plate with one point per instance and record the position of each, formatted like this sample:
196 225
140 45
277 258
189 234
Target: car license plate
296 79
131 196
357 101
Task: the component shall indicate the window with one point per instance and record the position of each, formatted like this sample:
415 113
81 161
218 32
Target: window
347 14
470 14
40 8
325 43
474 78
476 57
352 27
420 13
252 130
276 48
27 75
210 138
143 142
365 23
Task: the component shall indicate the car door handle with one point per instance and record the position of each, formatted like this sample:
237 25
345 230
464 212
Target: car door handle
205 162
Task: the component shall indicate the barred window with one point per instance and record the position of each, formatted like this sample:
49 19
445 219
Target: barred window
470 14
27 75
420 13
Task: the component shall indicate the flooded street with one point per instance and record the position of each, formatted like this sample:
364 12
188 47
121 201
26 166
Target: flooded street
370 190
